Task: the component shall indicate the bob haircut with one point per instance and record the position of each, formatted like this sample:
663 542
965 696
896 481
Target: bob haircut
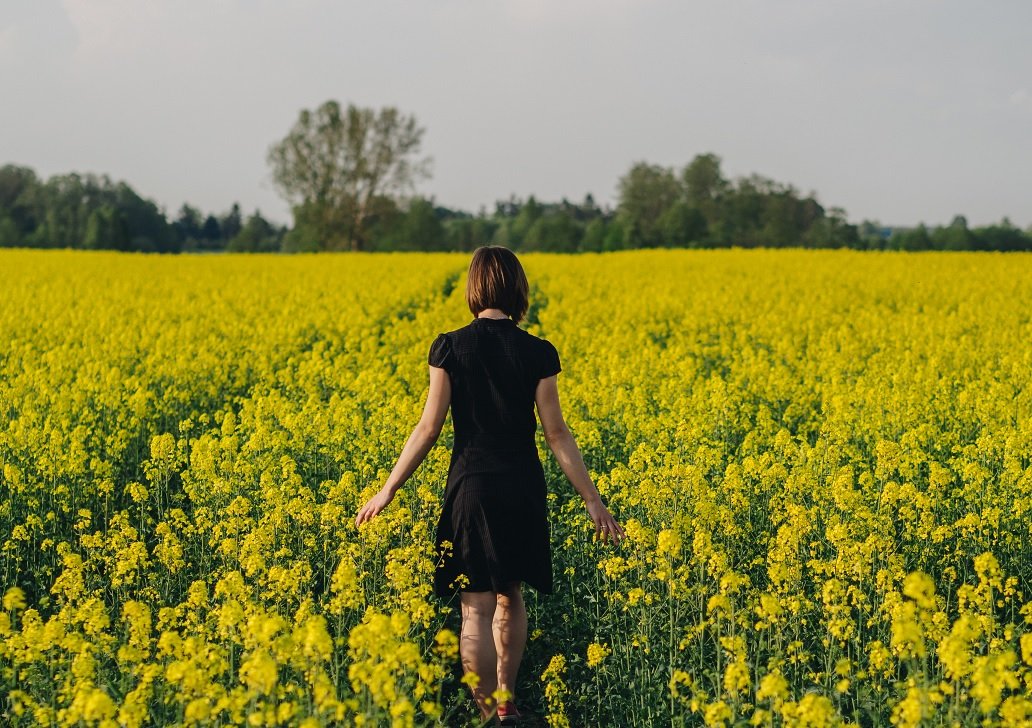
496 280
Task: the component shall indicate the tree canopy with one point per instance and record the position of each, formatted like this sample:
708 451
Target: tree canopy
92 211
339 170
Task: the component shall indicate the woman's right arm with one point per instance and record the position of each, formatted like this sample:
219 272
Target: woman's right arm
564 447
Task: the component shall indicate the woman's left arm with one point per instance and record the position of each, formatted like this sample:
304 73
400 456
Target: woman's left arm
423 437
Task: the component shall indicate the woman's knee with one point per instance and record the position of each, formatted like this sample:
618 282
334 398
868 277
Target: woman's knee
510 594
478 604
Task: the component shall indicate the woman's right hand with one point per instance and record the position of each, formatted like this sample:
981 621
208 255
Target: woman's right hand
605 525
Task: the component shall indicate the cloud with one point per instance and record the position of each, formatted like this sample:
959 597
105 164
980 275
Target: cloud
118 30
37 29
541 11
111 27
1021 99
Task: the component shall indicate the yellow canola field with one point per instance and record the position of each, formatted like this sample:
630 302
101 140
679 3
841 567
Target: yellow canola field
823 460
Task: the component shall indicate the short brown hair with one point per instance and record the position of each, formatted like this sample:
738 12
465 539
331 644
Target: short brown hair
496 280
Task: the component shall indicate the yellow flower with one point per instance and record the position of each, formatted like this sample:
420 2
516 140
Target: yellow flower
717 713
736 677
198 710
991 675
914 708
258 671
1016 710
447 644
812 711
314 638
597 653
920 587
98 706
14 599
677 679
773 687
668 543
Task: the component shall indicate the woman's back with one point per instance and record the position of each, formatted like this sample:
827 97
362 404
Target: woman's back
494 367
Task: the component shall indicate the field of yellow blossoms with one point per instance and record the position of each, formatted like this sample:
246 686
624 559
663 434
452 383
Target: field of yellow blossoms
823 461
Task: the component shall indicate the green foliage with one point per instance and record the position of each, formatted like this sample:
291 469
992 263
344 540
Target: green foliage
701 207
682 225
594 236
647 191
74 210
337 166
556 232
91 211
958 236
257 235
417 227
106 228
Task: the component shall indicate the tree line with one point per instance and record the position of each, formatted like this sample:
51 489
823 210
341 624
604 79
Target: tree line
91 211
348 175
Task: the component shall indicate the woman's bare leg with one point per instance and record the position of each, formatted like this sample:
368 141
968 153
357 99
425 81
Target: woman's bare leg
477 646
510 635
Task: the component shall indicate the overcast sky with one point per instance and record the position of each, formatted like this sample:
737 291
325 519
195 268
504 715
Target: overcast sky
896 110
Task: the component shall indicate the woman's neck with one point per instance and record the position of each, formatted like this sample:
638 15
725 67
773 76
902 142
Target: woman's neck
495 313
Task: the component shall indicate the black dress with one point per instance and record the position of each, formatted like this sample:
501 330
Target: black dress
495 513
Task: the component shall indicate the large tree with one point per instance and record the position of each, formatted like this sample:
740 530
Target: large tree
703 181
647 191
337 168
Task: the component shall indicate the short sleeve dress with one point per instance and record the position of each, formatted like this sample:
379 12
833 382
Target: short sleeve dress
494 526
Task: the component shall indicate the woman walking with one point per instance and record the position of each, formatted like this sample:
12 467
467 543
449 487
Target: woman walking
493 533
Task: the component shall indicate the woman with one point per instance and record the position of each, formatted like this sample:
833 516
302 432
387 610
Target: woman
494 533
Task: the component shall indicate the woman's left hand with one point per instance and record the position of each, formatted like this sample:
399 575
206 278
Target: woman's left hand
374 505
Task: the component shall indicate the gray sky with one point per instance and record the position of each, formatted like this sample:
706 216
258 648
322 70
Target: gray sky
896 110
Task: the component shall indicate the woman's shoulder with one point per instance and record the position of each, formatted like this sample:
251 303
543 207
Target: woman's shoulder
535 339
468 332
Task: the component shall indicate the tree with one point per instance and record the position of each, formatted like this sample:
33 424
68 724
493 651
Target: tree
18 187
871 235
703 181
187 225
105 228
646 192
682 225
421 227
955 236
469 233
231 223
414 228
145 223
1001 236
10 236
211 232
64 208
332 167
615 236
524 221
556 232
256 235
912 239
594 236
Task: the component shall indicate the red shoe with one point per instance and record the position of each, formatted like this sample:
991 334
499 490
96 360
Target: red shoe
507 713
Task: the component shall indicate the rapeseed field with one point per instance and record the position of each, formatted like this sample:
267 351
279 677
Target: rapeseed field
822 459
